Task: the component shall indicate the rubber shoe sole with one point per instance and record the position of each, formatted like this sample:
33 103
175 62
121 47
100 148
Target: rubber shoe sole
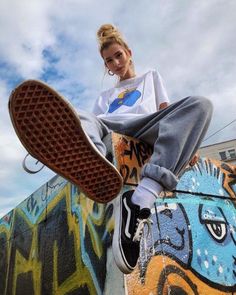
50 130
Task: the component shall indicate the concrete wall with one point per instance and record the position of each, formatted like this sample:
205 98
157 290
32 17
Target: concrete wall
59 242
193 244
192 247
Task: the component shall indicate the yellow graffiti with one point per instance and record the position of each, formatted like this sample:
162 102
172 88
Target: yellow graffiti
82 276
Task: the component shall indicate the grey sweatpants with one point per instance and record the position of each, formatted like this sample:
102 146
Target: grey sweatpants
175 133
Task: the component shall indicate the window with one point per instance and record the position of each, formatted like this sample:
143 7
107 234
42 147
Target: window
228 154
232 153
223 156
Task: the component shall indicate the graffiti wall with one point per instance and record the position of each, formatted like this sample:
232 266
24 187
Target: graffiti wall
59 242
192 247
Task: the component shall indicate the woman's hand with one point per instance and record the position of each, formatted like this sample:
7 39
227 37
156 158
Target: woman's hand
194 160
163 105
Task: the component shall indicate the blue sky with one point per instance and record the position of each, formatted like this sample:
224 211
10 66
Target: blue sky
191 43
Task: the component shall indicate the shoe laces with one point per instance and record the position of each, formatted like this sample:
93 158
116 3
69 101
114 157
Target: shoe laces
140 227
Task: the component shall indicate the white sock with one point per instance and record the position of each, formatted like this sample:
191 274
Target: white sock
146 193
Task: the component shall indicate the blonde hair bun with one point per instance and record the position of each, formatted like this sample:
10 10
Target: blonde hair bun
106 30
108 34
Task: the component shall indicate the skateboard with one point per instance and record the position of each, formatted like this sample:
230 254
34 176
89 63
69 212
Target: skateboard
50 130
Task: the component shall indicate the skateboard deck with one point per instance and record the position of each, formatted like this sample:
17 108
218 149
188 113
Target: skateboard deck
51 131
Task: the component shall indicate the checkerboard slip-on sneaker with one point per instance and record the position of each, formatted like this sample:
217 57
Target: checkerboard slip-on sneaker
50 130
129 225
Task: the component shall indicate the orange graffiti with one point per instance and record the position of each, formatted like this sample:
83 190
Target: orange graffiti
130 155
165 276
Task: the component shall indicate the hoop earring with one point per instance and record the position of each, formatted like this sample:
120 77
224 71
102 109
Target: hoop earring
110 73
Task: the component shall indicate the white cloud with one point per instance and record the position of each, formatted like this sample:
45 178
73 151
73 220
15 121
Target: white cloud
25 31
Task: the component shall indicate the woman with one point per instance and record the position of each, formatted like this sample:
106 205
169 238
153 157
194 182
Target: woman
136 106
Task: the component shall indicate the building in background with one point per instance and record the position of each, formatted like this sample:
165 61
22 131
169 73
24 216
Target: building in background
223 151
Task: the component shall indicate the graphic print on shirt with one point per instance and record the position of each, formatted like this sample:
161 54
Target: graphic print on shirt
127 98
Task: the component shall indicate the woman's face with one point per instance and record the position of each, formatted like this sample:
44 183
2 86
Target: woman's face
117 60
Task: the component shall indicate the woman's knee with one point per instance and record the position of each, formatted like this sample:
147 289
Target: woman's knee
202 104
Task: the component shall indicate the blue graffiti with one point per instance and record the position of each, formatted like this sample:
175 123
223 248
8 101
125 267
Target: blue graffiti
199 233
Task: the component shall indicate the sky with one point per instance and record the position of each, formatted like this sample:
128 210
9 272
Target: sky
191 43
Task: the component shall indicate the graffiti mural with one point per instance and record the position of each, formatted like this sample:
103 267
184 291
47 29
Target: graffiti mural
59 242
56 242
192 249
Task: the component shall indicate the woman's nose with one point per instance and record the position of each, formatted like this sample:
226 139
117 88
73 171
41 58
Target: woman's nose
116 62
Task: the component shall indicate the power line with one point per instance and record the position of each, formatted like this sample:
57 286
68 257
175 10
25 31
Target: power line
219 130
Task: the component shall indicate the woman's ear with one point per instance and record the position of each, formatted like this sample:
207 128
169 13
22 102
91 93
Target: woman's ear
130 52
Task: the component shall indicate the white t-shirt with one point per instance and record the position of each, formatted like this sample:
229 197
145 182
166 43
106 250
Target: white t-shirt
132 97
